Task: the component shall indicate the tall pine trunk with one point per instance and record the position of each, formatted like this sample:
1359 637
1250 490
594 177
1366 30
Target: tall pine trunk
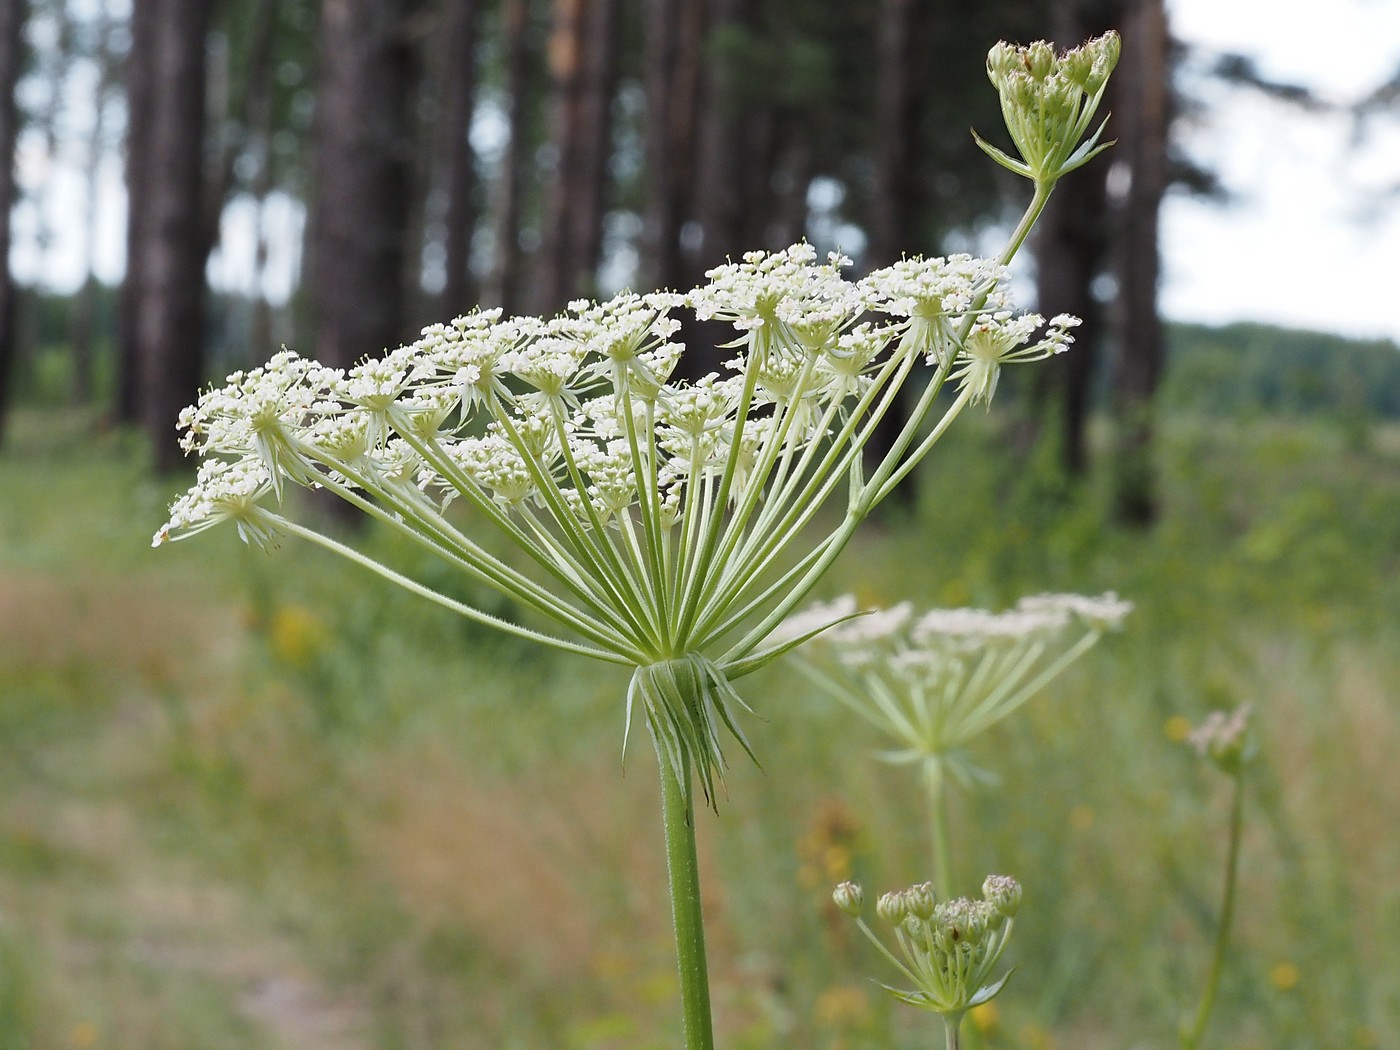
458 79
581 60
721 203
894 202
140 91
12 14
1143 118
674 33
171 245
363 152
894 198
1071 247
507 276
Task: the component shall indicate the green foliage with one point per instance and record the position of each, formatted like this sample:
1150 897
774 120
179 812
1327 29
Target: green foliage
287 776
1254 369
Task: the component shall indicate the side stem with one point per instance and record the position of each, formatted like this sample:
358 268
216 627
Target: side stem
938 824
1191 1037
678 817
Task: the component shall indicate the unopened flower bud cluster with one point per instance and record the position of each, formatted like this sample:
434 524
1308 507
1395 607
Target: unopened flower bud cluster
948 949
1048 101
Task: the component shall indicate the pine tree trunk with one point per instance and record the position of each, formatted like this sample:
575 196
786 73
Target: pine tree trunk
140 91
720 198
260 121
171 235
673 63
894 176
363 151
581 50
457 76
1143 91
508 271
12 14
893 205
1071 246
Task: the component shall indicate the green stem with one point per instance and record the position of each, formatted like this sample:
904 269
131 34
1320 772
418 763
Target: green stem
951 1024
938 823
678 815
1028 220
1191 1037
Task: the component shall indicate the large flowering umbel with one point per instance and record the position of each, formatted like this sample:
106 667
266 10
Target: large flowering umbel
659 516
935 680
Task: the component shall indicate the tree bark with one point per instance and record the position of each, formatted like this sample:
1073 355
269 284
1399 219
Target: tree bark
457 75
140 91
508 271
673 61
724 161
12 16
581 52
260 128
170 236
894 185
363 153
1072 247
1143 143
1071 244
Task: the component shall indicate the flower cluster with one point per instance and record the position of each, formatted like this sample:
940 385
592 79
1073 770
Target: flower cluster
1049 102
654 509
1226 739
937 679
949 948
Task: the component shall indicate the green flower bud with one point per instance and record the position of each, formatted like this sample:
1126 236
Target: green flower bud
921 900
1003 893
1078 67
1002 60
1106 50
849 897
892 907
1040 59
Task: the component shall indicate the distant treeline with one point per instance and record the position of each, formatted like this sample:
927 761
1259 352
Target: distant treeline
1256 368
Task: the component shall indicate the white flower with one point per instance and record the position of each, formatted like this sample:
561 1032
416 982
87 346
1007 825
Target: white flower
1105 612
224 492
937 679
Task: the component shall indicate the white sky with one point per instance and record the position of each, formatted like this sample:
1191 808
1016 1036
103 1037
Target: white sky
1297 244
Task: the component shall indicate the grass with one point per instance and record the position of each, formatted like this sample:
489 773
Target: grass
268 802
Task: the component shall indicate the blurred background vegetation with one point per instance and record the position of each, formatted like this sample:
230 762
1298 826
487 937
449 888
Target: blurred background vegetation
262 801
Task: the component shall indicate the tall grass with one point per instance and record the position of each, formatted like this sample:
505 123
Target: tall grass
261 801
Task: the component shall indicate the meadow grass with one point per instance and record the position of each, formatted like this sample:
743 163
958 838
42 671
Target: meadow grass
265 801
